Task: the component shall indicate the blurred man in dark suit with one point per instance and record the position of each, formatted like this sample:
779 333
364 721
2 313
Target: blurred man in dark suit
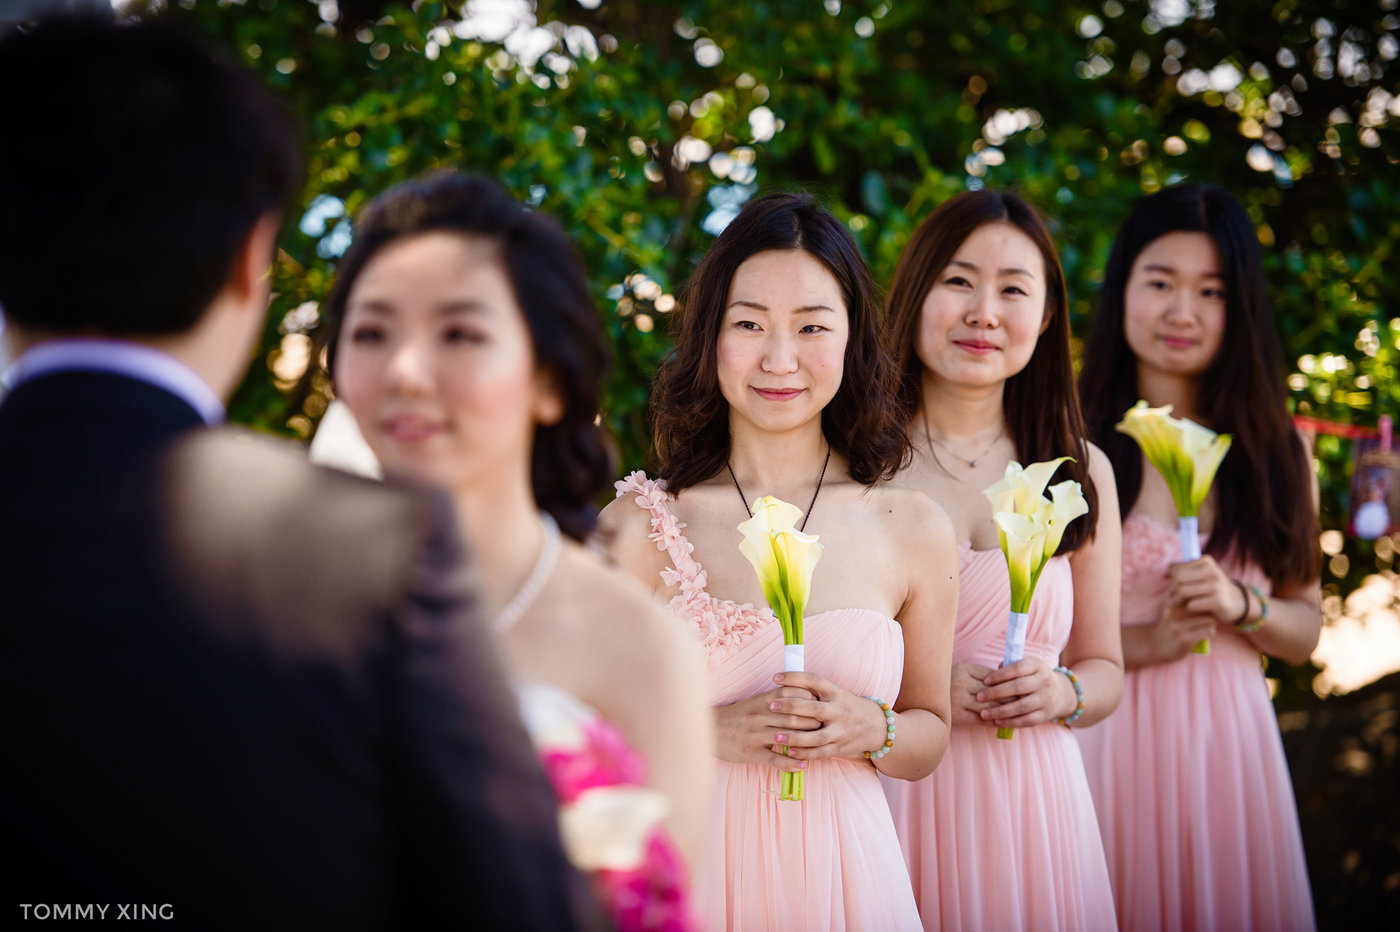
238 691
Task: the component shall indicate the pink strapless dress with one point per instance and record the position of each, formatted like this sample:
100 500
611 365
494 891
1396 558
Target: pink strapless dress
1189 778
1002 835
831 861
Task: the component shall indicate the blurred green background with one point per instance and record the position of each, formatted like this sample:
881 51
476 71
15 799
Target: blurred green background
643 126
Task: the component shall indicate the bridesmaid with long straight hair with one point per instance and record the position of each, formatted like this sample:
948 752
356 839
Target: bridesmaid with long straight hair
779 385
1189 776
1002 835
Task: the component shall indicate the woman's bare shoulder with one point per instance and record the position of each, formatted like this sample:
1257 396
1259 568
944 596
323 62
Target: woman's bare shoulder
1100 467
909 512
623 530
626 511
601 591
613 618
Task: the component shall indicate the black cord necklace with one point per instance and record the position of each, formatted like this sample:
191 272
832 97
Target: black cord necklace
808 513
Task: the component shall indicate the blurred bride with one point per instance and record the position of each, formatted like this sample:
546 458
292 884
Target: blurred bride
463 340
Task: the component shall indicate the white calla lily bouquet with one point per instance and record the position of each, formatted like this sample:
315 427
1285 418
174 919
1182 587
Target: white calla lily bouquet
783 559
1188 456
1029 529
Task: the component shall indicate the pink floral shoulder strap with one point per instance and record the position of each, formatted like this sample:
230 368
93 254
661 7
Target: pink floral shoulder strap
665 530
721 623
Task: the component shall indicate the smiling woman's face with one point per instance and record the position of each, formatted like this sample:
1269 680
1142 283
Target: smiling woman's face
985 312
436 362
1174 305
782 343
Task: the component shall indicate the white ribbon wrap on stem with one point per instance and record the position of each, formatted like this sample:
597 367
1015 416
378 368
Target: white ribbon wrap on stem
1190 540
1016 624
1186 528
792 658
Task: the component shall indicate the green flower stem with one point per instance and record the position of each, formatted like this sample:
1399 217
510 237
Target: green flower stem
792 785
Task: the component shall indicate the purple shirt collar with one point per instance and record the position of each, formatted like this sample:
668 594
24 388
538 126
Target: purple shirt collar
118 357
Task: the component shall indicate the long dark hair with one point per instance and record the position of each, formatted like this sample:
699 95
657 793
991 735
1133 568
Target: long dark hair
571 461
1262 510
691 416
1042 409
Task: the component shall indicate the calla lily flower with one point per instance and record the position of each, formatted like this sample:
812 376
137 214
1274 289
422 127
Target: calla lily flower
1028 526
1067 503
1206 450
758 549
798 554
1185 453
783 559
1030 529
1020 490
1188 456
1023 543
774 514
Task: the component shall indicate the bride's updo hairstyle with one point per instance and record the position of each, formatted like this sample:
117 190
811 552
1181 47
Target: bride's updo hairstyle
691 416
572 461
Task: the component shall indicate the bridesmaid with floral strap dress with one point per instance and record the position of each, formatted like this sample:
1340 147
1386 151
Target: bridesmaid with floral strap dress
1003 836
1189 777
779 386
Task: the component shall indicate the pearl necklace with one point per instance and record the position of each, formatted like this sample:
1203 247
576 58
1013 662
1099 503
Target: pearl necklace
530 590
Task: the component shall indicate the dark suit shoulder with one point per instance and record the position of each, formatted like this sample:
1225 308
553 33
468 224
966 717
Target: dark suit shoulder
251 518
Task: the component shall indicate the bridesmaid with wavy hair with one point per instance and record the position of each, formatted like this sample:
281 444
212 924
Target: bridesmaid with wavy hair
1002 836
778 385
1189 776
463 338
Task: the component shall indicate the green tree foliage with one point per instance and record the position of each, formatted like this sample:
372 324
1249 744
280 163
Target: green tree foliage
642 125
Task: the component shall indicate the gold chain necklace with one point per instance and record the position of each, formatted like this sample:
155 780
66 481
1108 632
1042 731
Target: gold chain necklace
971 463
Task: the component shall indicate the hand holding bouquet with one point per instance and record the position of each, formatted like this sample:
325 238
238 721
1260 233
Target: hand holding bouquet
1029 529
1187 455
783 559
